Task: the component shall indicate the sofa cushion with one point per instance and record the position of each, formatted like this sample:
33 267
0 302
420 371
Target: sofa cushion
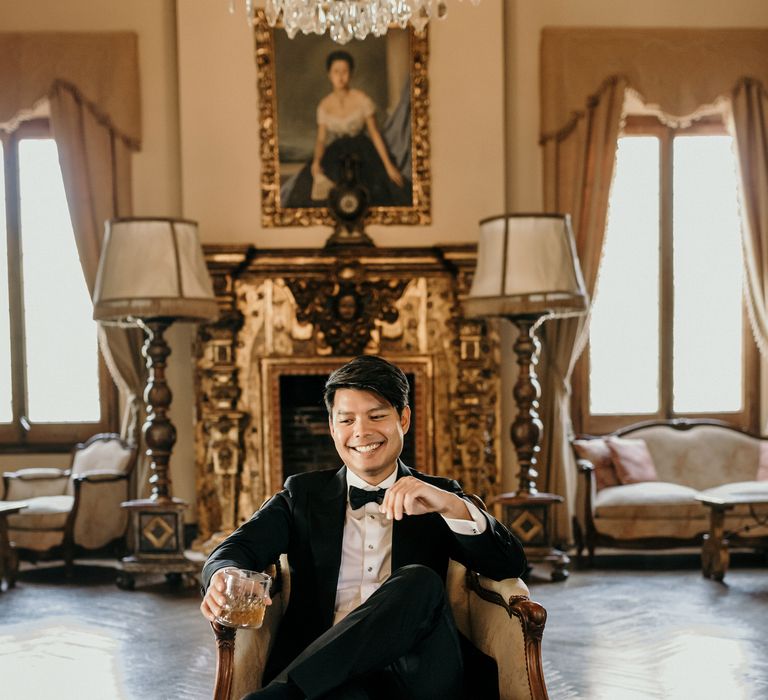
632 460
762 465
652 499
597 452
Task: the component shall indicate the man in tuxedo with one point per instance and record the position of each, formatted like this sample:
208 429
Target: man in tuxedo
368 546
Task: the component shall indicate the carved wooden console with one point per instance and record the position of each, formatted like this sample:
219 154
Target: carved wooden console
295 312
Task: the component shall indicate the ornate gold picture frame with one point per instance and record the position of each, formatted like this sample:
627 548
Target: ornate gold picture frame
292 79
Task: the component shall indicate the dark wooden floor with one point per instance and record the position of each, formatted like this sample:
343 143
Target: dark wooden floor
623 631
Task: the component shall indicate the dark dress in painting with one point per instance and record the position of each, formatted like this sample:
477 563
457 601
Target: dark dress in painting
347 136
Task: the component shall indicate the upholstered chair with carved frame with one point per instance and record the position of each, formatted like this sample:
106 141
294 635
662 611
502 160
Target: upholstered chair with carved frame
74 507
498 617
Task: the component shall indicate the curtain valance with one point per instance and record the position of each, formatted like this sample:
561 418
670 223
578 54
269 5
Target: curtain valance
99 69
678 70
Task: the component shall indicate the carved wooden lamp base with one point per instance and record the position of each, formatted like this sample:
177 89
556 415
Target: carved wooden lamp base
157 542
156 527
528 516
527 512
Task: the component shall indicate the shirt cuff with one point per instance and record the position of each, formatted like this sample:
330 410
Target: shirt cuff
476 526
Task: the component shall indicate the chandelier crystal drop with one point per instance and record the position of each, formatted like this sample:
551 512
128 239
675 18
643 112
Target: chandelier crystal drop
345 20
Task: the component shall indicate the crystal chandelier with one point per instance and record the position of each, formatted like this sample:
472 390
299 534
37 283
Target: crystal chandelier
349 19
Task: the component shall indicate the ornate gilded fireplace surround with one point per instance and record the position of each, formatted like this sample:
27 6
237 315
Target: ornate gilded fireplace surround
305 312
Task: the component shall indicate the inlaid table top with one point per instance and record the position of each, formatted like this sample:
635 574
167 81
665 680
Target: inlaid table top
733 499
9 561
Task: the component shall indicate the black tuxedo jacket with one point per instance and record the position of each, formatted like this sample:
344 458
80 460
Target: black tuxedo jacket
306 521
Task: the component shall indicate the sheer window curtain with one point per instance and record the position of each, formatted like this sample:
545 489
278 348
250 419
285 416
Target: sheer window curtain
749 104
91 84
585 75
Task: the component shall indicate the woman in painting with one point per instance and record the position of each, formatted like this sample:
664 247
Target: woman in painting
343 118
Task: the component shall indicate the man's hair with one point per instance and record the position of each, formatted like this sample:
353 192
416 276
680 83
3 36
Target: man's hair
339 56
369 373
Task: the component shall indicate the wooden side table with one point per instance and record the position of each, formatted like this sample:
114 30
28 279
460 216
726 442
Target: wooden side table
9 560
528 516
715 556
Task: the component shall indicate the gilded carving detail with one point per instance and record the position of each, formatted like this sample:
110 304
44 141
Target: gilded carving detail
476 408
218 432
346 308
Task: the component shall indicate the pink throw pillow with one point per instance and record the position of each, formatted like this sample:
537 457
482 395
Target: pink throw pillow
632 460
597 452
762 465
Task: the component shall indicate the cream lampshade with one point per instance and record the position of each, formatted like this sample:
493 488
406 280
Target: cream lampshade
526 263
152 268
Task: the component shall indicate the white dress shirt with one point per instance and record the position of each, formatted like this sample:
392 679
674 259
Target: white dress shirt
366 550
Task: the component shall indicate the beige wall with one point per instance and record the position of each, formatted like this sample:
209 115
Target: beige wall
219 122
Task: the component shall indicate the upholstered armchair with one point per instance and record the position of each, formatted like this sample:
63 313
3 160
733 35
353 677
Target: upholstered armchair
498 617
76 507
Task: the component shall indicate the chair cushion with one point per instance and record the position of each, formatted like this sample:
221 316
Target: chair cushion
652 499
633 460
43 513
597 452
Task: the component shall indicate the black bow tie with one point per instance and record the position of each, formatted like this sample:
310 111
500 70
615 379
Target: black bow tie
359 497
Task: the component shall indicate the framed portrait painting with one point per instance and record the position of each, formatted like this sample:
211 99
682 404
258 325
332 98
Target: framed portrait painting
313 134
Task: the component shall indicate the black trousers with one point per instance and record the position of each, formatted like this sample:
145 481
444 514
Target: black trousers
401 643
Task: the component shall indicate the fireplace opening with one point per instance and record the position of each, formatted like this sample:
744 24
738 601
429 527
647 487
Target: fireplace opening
305 442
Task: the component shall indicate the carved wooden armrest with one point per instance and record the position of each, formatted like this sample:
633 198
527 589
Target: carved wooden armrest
586 468
225 656
516 645
239 667
99 476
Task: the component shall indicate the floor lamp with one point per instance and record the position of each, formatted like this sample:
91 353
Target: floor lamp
151 273
527 272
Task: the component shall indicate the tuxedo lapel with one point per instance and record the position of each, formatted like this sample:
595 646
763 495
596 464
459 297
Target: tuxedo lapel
326 521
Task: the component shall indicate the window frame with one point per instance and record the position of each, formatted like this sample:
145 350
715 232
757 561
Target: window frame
748 417
20 435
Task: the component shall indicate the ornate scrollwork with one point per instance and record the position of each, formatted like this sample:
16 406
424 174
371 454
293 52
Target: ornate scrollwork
219 432
475 405
345 309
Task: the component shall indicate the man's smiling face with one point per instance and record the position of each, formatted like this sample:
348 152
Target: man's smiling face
368 433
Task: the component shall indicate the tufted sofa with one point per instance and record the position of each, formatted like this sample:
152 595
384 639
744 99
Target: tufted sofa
637 487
